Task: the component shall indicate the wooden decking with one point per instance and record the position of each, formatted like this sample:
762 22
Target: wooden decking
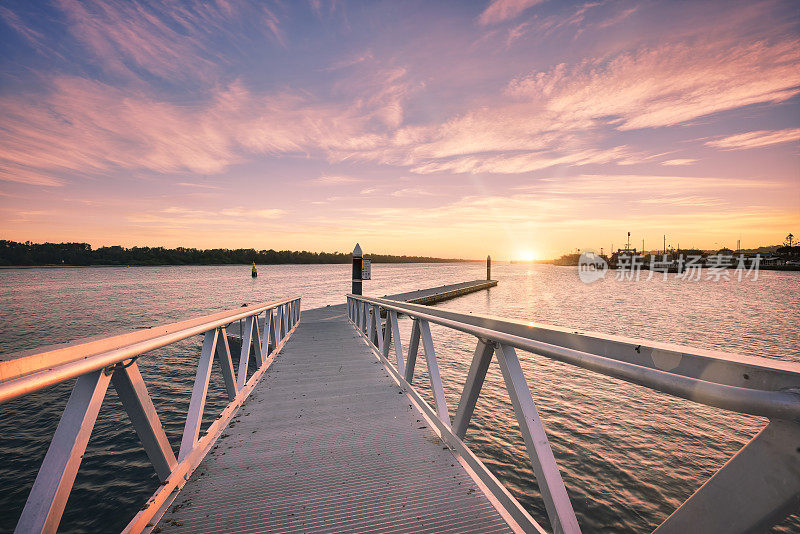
328 442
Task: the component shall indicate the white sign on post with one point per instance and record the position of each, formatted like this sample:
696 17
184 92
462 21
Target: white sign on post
366 269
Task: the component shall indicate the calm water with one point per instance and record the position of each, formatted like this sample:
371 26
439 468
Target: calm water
629 456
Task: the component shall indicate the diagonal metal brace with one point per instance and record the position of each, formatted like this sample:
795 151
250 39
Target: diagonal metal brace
755 489
51 489
132 392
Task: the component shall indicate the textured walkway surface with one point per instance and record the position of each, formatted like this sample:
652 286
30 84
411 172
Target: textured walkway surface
327 442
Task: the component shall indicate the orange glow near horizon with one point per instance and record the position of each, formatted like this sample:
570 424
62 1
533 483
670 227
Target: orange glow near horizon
526 255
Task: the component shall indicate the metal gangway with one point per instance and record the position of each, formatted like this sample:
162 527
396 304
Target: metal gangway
332 435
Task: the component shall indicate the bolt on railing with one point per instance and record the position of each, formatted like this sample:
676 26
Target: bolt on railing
759 486
112 361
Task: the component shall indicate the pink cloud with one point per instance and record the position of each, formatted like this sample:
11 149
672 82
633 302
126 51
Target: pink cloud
13 20
172 41
119 34
81 126
501 10
522 163
328 179
756 139
669 85
678 162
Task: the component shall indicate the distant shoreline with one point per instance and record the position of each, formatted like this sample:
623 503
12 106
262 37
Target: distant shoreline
67 266
14 254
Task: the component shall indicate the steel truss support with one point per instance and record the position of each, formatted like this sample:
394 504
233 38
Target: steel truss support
556 501
273 327
132 392
755 489
226 364
375 328
194 416
244 354
472 387
265 336
51 489
394 332
48 496
413 349
433 372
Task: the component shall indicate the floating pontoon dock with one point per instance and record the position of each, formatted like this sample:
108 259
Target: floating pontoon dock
327 432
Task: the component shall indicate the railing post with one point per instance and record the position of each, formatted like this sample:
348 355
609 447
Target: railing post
413 348
194 416
556 501
371 320
132 392
256 335
398 346
378 339
273 326
51 489
472 387
226 364
279 323
433 372
244 354
387 335
364 316
265 336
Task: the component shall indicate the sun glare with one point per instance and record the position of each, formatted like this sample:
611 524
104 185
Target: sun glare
526 255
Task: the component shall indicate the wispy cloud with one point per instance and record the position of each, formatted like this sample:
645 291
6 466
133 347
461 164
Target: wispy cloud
668 85
14 21
756 139
126 35
177 216
522 163
412 192
501 10
90 127
678 162
335 179
199 186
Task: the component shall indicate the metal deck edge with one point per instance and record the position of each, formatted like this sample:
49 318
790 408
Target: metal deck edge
501 499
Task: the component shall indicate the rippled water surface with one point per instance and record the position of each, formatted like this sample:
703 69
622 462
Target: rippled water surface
629 456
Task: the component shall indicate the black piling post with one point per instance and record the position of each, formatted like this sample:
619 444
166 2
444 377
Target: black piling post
488 267
358 259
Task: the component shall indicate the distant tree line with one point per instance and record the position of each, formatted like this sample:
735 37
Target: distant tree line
27 253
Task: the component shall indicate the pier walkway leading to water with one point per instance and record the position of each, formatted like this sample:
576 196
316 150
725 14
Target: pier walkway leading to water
328 442
326 432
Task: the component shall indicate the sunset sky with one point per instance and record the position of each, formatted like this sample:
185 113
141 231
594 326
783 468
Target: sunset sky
512 127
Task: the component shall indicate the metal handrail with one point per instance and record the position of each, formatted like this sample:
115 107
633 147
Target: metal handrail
98 363
753 401
25 372
701 376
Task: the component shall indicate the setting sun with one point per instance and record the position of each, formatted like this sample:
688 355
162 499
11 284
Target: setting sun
527 255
